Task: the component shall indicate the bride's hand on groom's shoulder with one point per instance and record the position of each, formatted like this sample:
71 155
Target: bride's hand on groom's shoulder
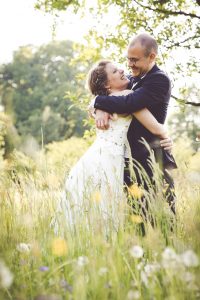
167 144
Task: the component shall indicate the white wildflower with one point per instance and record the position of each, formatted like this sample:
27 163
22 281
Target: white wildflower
136 251
150 269
23 248
102 271
82 261
190 259
188 277
169 254
6 277
133 295
170 259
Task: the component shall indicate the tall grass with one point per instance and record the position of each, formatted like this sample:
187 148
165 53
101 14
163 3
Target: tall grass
39 262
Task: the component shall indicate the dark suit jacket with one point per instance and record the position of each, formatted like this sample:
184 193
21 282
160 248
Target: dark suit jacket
153 92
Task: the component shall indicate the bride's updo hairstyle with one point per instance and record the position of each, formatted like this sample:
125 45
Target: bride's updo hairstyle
97 79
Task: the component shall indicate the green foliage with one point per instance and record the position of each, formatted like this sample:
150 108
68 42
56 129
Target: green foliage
8 136
20 165
157 17
3 133
34 88
61 156
58 5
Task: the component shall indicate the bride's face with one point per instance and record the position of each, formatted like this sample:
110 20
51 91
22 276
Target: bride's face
117 81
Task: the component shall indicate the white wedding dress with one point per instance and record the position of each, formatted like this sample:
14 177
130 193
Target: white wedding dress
97 178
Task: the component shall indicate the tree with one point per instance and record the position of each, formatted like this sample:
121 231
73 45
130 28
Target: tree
33 90
8 136
185 121
174 24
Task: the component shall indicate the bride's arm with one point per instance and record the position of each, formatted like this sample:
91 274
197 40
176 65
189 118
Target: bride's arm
146 118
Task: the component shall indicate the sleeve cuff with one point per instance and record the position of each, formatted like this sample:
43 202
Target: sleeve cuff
91 107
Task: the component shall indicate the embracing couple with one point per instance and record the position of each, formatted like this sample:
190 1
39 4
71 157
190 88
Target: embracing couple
129 112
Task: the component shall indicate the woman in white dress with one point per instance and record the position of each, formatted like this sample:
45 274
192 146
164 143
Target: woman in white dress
96 180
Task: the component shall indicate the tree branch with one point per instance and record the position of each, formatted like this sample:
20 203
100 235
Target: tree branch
182 101
168 12
181 42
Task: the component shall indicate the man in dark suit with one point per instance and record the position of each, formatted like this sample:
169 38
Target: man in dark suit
152 89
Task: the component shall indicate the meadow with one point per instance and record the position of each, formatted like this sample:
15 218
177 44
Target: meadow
38 263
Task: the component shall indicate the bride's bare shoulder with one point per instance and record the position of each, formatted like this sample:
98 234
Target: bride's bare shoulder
122 93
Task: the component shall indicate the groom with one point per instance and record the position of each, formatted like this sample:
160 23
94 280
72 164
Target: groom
152 89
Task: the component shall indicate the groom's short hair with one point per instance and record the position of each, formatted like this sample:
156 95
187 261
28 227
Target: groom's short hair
146 41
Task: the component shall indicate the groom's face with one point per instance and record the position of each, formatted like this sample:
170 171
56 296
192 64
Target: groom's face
138 61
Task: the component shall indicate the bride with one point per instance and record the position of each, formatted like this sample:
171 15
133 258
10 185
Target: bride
96 180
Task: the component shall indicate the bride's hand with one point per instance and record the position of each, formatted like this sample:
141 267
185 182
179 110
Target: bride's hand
167 144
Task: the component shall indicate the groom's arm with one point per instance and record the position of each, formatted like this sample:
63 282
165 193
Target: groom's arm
150 93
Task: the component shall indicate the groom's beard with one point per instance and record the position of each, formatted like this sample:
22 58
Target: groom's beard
137 72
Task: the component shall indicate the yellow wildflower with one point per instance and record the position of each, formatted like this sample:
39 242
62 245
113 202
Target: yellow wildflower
59 247
96 196
135 191
136 219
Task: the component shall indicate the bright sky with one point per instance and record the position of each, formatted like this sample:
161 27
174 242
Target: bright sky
21 24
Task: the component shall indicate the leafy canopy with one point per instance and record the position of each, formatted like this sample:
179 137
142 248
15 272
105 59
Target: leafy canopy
34 90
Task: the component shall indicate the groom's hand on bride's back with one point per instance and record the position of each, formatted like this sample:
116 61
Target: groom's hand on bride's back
102 119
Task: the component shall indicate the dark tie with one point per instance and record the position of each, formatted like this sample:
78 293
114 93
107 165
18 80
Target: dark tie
135 81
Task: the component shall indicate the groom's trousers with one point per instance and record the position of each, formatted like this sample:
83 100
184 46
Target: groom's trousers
144 176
